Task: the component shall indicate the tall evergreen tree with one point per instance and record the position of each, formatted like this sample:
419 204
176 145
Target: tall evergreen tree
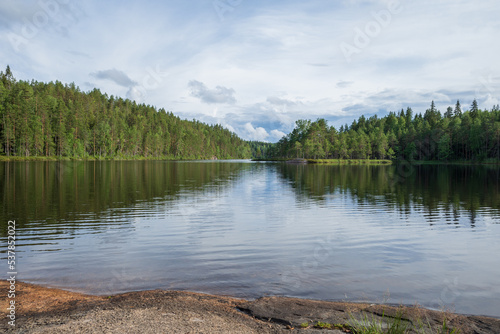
458 109
474 109
449 112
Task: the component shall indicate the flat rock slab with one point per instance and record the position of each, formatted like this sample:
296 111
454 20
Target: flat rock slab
294 312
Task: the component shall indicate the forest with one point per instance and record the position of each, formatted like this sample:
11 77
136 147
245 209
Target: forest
56 120
456 135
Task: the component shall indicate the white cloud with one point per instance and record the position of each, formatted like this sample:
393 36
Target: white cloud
277 134
219 94
252 133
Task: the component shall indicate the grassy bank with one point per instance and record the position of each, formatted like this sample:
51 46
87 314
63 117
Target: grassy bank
330 161
381 161
91 158
15 158
350 161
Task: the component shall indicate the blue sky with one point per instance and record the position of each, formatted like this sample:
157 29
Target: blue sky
258 66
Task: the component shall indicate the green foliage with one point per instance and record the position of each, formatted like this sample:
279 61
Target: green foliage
444 147
395 325
458 136
260 150
445 329
52 119
371 324
350 161
320 324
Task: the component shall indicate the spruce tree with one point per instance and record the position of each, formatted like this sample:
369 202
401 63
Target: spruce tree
474 110
449 112
458 109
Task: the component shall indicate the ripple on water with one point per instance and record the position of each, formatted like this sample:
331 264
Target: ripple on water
253 229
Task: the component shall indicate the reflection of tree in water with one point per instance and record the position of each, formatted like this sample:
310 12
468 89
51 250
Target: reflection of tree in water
65 196
436 191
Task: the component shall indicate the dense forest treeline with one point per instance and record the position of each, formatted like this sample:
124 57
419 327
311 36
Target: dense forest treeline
52 119
456 135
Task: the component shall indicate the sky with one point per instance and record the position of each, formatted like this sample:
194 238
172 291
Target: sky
258 66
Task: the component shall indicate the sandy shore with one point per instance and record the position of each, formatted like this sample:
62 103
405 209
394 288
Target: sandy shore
44 310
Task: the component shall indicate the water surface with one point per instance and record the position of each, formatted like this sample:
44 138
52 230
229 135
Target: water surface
427 235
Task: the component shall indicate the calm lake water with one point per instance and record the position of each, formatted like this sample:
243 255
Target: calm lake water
428 235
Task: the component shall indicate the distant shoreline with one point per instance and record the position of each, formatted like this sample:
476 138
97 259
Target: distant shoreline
55 158
328 161
375 162
4 158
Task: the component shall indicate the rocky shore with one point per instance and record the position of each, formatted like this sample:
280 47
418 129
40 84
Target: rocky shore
44 310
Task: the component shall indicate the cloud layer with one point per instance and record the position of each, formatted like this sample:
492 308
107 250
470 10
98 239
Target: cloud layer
256 67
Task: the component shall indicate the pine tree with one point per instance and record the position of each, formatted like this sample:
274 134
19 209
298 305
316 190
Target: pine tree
474 110
409 115
458 109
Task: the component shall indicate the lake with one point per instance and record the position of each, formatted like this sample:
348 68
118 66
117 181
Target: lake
387 234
